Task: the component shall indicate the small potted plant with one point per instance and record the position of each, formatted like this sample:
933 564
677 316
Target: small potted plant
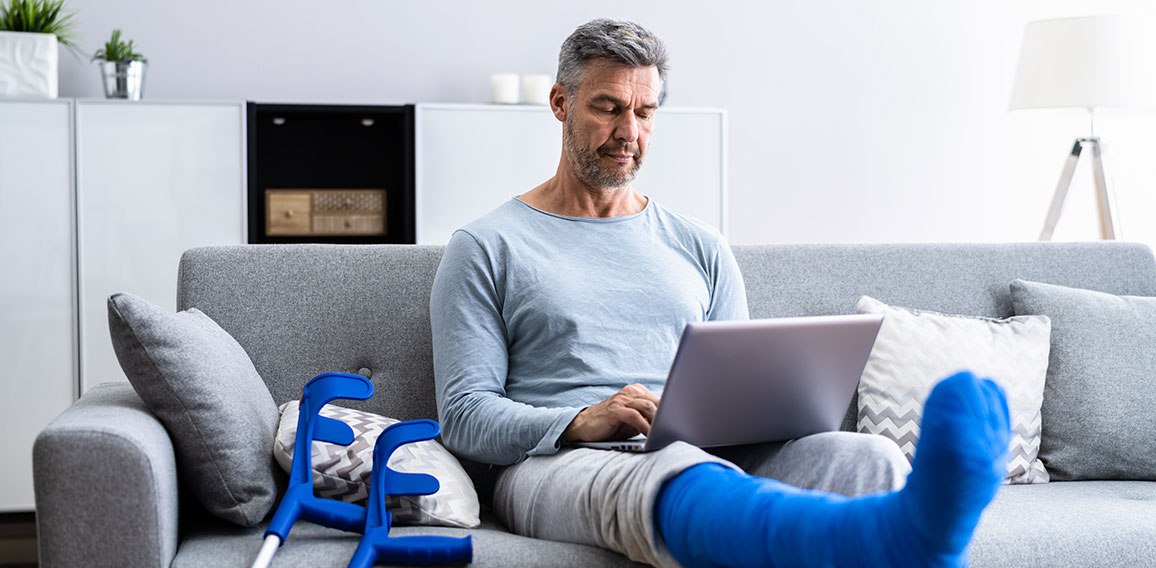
30 31
122 69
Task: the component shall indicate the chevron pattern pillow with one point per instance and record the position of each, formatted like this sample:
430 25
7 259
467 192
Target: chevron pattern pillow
343 472
916 349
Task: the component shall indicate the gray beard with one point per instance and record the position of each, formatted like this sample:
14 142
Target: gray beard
588 166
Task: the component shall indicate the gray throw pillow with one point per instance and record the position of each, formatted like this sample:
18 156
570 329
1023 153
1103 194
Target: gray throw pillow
1101 386
202 386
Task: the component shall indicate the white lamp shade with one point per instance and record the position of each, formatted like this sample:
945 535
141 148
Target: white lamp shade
1091 62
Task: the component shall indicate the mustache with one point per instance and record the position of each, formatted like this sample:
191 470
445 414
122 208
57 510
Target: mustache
631 149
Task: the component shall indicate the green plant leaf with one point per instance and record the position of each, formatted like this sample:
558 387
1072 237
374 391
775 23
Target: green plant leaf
39 16
117 50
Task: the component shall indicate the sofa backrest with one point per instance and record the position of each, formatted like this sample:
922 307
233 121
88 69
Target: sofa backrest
974 279
301 310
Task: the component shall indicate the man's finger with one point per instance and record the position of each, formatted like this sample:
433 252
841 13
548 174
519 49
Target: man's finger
653 398
645 407
636 390
632 418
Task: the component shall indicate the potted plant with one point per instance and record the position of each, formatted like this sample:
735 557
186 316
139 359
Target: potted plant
30 31
122 68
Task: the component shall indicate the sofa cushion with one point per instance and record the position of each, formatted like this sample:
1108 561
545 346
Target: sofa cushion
1084 523
343 472
210 545
916 349
1101 381
201 385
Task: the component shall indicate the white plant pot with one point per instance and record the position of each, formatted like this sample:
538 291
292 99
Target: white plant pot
28 65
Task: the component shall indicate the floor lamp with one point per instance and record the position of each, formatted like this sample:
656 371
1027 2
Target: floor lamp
1094 62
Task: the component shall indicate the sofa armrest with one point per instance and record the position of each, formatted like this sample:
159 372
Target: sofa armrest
106 484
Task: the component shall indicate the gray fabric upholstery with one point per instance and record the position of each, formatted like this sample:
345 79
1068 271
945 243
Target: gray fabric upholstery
302 310
202 386
106 484
1100 382
216 544
1068 523
973 279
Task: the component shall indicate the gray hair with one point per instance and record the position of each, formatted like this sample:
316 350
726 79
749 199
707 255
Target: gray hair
626 43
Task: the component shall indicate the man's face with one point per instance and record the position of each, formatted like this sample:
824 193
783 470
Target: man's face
608 122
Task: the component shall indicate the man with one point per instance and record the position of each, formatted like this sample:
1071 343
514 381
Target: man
556 316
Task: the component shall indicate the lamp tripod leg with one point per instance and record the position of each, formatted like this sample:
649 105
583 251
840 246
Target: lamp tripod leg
1104 197
1061 193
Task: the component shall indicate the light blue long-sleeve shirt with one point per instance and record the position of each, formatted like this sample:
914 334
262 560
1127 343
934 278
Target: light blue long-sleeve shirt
536 316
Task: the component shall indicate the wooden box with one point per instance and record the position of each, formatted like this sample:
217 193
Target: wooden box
325 212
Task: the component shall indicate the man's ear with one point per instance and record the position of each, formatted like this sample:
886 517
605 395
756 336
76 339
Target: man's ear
558 101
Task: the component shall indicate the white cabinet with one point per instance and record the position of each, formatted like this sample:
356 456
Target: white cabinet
97 197
37 344
153 180
472 158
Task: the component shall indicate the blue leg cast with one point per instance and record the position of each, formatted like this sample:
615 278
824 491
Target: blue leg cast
710 515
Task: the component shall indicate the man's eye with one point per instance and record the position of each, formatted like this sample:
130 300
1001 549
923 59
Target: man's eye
645 115
608 110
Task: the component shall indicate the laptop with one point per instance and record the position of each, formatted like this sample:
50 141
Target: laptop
754 381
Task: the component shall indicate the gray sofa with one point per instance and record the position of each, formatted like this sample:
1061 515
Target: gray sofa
108 494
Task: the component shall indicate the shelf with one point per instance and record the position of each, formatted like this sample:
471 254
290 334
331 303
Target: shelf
332 148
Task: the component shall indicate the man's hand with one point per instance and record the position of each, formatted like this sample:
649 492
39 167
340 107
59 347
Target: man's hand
625 414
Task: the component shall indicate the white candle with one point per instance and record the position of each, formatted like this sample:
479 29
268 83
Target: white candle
536 89
504 88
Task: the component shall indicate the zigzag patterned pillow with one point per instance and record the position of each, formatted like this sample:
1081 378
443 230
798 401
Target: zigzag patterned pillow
916 349
343 472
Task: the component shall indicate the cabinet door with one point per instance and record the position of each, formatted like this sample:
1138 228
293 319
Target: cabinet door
37 345
472 158
153 180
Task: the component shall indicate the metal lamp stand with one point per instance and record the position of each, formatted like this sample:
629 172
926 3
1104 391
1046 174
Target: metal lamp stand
1104 198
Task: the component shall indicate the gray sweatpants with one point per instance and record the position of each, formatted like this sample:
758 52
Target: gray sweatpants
607 498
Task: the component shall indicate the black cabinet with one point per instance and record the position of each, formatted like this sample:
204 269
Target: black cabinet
330 173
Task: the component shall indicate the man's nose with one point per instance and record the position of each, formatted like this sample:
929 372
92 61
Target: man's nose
626 129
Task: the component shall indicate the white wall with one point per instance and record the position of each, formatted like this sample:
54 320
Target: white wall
879 120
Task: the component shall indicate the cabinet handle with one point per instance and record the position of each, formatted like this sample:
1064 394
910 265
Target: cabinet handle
348 224
289 213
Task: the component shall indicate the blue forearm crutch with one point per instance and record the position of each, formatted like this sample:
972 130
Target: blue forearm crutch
376 544
299 500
